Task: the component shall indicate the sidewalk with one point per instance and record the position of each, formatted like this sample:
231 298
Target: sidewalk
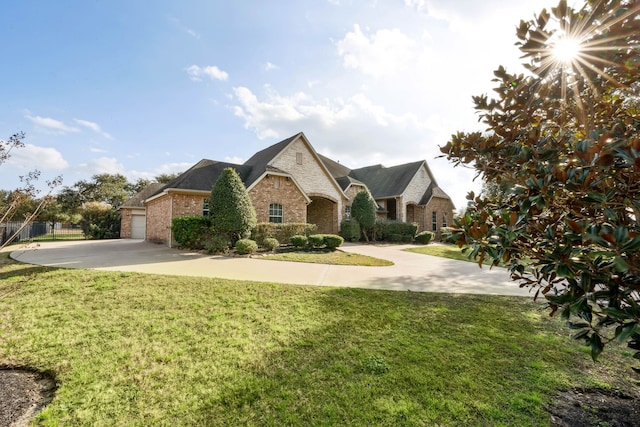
410 272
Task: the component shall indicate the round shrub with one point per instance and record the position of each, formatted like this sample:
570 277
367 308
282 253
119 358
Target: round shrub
394 238
270 243
246 246
299 241
332 241
316 240
424 237
350 230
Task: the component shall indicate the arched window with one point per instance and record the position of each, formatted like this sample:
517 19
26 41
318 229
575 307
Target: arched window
275 213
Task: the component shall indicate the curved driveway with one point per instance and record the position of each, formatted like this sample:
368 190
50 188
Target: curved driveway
410 272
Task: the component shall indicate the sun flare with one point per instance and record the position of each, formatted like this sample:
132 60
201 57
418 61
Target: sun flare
566 50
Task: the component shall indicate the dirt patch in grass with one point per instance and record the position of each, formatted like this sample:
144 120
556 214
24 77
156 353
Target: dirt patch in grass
23 392
579 408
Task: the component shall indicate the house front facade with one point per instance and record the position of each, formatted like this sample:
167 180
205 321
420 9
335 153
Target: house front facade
289 182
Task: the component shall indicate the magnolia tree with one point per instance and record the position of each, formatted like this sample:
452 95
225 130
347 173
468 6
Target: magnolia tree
230 207
24 195
363 210
565 140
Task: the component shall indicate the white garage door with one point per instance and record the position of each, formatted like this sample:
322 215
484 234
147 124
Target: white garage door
138 226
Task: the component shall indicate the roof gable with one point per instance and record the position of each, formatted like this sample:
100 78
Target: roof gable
137 201
387 182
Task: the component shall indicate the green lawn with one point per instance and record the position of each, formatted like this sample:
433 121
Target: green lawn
136 349
334 258
443 250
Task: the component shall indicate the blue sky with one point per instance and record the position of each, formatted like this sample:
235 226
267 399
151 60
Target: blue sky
142 88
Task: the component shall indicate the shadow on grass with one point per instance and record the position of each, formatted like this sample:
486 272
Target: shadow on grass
377 359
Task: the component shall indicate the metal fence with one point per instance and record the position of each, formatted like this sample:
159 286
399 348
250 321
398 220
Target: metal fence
38 231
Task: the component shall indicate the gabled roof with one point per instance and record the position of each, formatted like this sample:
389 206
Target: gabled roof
259 161
137 201
387 182
203 175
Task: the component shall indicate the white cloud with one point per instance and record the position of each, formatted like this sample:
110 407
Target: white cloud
234 159
48 124
97 150
270 66
35 157
109 165
93 126
197 73
355 131
381 54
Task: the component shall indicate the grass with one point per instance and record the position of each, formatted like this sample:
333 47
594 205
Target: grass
134 349
445 251
333 257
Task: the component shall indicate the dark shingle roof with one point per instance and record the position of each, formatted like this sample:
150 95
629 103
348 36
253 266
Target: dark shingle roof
259 161
137 201
387 182
204 174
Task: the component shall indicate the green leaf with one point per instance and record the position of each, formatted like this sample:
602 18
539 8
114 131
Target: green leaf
623 332
577 325
620 265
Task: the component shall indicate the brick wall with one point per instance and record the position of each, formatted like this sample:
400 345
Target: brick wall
281 190
440 206
323 213
125 223
159 219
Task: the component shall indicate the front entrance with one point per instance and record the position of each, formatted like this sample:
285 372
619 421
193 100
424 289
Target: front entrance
324 214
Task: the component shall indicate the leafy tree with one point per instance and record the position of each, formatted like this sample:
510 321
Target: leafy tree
100 221
22 201
166 178
566 138
363 210
112 189
230 207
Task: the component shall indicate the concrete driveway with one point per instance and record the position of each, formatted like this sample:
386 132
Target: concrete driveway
410 272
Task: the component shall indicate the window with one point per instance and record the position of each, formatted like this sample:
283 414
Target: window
444 220
205 207
275 213
299 158
434 221
347 212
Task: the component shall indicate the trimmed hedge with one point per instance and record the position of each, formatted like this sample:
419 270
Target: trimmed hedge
270 243
350 231
395 231
246 246
191 231
299 241
316 241
424 237
332 241
281 232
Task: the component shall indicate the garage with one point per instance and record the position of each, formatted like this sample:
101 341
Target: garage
138 226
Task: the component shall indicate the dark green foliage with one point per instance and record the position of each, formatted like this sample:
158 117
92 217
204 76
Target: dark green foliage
363 210
218 243
270 243
316 241
350 230
566 141
100 221
424 237
282 232
332 241
192 231
230 207
299 241
246 247
390 230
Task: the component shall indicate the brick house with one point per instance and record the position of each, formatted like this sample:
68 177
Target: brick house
290 182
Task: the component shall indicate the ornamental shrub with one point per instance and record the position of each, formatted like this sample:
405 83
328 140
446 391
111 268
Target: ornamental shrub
270 243
282 232
316 241
389 229
191 231
299 241
363 210
332 241
350 230
424 237
217 243
246 247
230 207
